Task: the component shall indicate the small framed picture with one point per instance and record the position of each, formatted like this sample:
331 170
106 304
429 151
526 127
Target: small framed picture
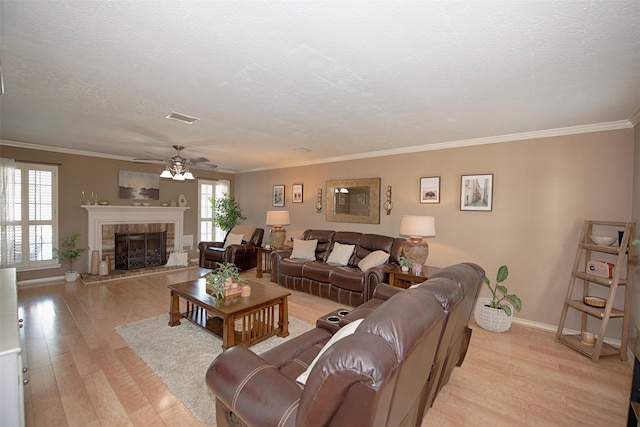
278 195
476 192
430 189
296 196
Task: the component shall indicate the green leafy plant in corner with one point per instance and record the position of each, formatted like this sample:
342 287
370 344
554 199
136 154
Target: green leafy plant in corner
69 252
500 293
226 212
217 278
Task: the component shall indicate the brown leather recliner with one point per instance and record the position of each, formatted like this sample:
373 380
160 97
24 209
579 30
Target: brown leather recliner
381 375
243 256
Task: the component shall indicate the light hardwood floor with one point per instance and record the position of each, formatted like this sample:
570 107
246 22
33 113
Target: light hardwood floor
81 373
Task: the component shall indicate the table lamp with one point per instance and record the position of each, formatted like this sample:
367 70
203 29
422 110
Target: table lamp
278 234
415 227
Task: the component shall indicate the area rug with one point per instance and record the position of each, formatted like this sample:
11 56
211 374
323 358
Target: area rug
180 356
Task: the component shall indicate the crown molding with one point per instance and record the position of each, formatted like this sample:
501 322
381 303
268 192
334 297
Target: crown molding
549 133
635 118
87 153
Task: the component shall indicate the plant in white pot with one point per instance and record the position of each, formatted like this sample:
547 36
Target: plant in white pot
68 253
405 264
495 313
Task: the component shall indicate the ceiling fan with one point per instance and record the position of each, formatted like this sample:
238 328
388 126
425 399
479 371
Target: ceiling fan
177 167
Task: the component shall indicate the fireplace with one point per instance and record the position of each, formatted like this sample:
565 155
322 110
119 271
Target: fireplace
140 250
105 221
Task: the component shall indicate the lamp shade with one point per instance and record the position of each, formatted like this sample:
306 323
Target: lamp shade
278 218
414 225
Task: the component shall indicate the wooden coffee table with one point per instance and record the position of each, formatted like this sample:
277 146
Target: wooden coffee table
237 320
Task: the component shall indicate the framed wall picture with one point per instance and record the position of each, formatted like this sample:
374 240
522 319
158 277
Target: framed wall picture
430 189
476 192
278 195
296 193
138 185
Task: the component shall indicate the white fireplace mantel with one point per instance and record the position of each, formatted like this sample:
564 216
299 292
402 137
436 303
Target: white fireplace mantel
110 215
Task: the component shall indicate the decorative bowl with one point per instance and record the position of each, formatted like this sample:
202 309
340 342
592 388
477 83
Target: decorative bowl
603 240
146 204
136 203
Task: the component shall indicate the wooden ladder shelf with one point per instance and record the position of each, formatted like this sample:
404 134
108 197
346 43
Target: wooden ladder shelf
622 252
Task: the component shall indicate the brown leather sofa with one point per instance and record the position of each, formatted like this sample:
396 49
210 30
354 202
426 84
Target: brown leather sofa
243 255
344 284
386 373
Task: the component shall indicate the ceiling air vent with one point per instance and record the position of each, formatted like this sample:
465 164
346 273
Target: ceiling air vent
183 118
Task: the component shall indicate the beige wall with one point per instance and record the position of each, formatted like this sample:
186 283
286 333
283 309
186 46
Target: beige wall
99 175
635 300
543 190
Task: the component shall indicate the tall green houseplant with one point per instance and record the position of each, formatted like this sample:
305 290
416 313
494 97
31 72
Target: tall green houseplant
226 212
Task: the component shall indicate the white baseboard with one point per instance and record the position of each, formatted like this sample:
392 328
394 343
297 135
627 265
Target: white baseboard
554 329
41 281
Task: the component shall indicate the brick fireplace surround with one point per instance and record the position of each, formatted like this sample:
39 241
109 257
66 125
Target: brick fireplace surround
105 221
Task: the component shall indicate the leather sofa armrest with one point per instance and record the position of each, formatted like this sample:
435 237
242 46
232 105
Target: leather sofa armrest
244 382
384 291
374 276
276 256
204 245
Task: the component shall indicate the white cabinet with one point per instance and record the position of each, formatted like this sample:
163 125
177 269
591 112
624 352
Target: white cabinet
11 367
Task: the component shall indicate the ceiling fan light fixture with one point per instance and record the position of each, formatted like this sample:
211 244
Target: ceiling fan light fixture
166 174
188 175
178 177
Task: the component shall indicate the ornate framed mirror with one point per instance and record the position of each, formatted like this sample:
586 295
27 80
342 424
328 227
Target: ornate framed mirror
354 200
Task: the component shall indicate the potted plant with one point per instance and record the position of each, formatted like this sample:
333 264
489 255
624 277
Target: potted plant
226 212
495 313
405 264
222 278
68 253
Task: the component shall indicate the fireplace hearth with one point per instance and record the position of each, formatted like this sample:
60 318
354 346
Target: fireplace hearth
140 250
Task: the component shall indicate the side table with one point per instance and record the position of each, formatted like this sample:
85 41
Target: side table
401 279
263 263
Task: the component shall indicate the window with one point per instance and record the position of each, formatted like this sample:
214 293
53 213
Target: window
207 189
34 226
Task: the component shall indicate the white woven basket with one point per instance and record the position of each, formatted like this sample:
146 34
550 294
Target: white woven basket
491 319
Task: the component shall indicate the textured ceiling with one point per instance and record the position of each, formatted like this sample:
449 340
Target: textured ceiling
340 78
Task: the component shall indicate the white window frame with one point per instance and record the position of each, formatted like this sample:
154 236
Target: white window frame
205 213
25 222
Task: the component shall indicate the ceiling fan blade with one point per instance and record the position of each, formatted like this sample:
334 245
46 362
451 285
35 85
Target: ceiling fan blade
150 161
199 160
204 165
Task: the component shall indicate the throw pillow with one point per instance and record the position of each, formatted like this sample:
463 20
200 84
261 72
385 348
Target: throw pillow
340 254
245 230
233 239
177 259
374 259
343 332
304 249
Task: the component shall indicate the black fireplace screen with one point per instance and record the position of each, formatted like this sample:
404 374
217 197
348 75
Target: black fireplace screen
139 250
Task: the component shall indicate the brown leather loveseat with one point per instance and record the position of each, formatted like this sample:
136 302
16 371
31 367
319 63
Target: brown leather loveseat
386 373
346 284
242 254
